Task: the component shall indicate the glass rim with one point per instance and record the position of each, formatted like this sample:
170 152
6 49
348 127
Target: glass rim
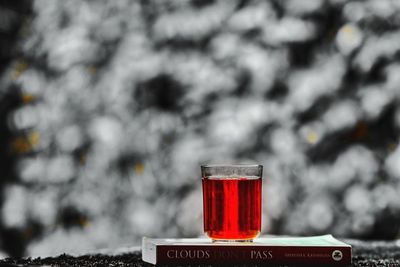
232 170
231 165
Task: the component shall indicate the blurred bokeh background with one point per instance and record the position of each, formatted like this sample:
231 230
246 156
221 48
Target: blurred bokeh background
107 109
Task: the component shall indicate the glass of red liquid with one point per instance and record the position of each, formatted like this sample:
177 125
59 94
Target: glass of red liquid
232 202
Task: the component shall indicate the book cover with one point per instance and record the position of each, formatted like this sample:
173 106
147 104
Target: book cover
267 250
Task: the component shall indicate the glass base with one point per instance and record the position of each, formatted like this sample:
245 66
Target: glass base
232 240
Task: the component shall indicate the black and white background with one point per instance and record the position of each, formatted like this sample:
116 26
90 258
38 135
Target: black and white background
107 109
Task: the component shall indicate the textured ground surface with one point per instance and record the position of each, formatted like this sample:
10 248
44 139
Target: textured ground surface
364 254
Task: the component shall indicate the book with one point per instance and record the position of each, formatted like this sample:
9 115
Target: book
323 249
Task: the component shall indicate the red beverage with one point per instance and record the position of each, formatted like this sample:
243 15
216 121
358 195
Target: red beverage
232 207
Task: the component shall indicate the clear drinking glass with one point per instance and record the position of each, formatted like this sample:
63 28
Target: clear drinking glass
232 201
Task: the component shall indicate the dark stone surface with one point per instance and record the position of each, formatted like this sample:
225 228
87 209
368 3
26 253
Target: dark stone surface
365 254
